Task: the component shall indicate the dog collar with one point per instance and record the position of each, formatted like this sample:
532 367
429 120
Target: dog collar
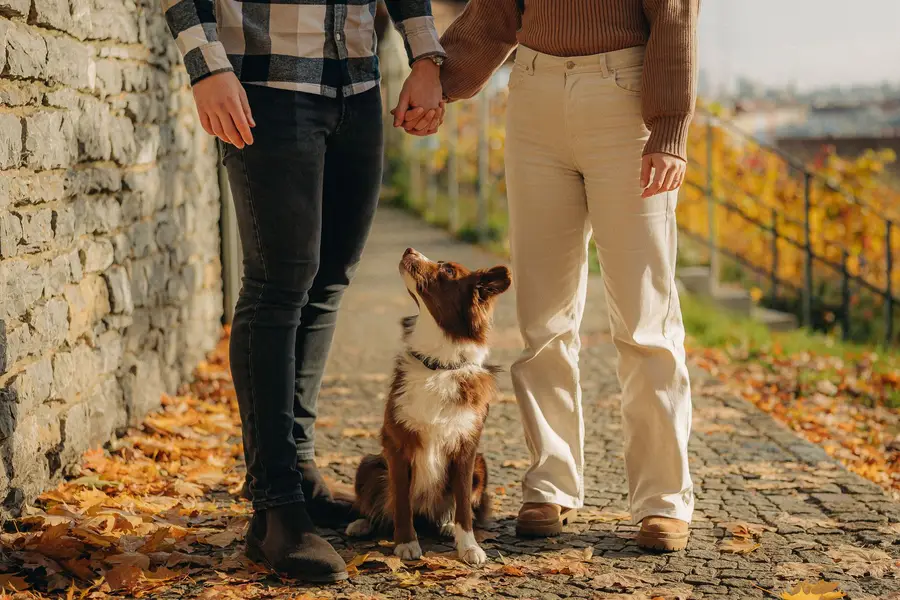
434 364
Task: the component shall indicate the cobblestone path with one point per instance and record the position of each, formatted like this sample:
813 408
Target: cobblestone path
814 520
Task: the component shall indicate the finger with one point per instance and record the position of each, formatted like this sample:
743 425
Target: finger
248 114
205 123
418 124
435 123
414 114
242 124
659 176
402 107
669 182
646 165
230 130
217 128
425 122
410 126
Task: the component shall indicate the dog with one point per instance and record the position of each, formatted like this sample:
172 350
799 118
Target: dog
429 467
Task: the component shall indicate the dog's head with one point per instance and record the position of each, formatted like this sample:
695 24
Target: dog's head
460 301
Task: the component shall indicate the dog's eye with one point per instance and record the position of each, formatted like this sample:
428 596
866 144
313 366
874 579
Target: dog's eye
448 269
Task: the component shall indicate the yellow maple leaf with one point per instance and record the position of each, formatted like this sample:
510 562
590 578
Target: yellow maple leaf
822 590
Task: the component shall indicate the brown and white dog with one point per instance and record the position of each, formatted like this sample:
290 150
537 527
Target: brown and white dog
429 466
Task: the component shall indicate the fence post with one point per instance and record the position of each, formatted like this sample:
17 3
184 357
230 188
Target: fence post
774 253
453 166
889 288
415 173
807 244
845 296
431 188
713 253
483 165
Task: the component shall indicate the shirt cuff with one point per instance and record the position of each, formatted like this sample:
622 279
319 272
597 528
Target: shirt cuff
420 38
206 60
668 135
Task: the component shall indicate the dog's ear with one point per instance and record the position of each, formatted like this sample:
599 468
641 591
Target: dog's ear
492 282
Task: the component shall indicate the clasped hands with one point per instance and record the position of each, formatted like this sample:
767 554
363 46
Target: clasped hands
420 107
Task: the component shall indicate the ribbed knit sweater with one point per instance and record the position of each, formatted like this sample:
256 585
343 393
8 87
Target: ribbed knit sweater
487 31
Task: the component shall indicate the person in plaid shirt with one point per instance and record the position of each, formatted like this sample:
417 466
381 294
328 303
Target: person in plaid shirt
292 89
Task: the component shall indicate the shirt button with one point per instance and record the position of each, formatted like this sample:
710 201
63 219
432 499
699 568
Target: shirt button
338 36
570 65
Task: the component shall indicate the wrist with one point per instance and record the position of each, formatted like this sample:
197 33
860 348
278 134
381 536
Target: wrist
426 66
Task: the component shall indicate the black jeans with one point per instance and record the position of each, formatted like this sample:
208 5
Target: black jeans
305 194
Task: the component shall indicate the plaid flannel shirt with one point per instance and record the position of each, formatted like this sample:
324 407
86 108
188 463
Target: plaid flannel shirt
314 46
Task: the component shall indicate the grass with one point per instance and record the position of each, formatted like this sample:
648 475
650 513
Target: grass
710 326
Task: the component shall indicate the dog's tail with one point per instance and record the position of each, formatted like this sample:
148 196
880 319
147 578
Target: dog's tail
372 487
482 500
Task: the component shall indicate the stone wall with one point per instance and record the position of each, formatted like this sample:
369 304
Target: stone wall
110 278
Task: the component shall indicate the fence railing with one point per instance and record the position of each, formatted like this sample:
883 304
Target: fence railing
818 242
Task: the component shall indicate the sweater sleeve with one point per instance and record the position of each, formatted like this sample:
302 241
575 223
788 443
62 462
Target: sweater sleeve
670 81
477 43
193 25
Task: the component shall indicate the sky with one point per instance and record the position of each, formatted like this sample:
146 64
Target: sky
811 42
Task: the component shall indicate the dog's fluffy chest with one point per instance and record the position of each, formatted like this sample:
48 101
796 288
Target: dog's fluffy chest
431 406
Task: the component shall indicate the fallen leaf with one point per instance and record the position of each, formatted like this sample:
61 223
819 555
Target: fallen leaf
13 583
394 563
512 571
356 562
186 488
414 579
356 432
161 574
221 539
747 530
124 577
738 545
860 562
136 559
517 464
822 590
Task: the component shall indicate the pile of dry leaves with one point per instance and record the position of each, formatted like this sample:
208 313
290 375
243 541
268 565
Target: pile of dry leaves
846 405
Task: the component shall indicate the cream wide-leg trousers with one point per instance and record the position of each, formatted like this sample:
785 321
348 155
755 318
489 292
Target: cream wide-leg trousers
574 142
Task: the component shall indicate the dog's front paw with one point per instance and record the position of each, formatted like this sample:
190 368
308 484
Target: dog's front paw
409 550
473 555
467 548
359 528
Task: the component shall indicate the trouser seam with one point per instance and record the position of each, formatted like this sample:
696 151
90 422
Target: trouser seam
262 291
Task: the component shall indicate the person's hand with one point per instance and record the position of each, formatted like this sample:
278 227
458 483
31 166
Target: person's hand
419 118
667 173
223 108
420 107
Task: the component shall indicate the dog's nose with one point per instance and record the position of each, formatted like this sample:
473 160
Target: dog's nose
409 251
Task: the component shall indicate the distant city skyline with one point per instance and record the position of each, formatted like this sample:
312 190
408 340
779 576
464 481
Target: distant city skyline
810 43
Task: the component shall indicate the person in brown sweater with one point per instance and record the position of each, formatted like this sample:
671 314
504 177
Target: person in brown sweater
601 97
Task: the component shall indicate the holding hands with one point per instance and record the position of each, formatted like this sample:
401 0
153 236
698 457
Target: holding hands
420 108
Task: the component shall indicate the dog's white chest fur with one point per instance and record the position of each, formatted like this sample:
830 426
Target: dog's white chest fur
430 406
